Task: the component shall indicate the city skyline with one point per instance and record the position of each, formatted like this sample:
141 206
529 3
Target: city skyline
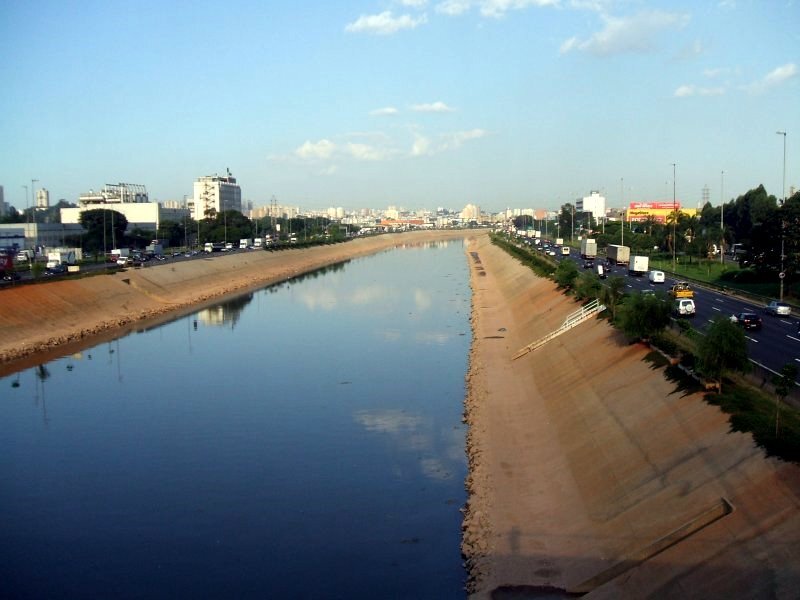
530 103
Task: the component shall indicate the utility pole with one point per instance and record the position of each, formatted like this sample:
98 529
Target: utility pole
674 217
722 217
782 274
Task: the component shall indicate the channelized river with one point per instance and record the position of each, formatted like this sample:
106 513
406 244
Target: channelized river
302 441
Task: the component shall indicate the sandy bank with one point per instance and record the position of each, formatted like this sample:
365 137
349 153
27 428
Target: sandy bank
40 321
591 473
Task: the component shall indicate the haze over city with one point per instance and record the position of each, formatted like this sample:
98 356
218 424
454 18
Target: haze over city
414 103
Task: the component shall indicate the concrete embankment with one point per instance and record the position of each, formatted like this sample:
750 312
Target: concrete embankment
592 474
42 320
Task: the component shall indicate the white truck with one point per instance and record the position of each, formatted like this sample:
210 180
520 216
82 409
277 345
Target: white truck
588 248
245 243
559 241
258 243
60 257
638 265
619 255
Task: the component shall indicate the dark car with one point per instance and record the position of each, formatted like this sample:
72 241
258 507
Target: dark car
748 320
588 264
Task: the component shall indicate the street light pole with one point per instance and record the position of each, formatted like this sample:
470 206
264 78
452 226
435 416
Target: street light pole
674 218
722 217
783 200
622 200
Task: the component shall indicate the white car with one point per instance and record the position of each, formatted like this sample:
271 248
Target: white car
656 276
683 307
778 308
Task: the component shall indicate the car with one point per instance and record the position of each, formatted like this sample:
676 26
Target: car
748 320
551 252
11 276
683 307
778 308
56 270
601 271
588 264
656 276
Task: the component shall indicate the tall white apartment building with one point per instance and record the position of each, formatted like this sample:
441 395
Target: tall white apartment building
471 212
215 194
593 203
42 199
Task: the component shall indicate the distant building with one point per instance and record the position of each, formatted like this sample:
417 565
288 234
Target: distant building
3 207
131 200
471 212
42 199
215 194
593 203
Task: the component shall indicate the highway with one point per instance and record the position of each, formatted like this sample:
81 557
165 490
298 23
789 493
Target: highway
776 344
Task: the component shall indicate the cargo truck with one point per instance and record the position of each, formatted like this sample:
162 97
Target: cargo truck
56 258
638 265
245 243
618 255
559 241
588 248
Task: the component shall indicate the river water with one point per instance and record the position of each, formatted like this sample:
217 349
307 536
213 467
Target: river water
302 441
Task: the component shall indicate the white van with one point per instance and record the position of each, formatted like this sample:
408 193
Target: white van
564 250
601 270
656 276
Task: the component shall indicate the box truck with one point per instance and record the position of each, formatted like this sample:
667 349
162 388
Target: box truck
638 265
588 248
618 255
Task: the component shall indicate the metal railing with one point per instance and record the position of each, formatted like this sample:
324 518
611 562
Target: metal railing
579 316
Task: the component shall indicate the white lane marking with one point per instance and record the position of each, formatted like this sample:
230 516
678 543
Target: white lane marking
791 337
718 300
717 309
751 339
785 321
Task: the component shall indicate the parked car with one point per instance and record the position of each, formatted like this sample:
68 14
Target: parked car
748 320
778 308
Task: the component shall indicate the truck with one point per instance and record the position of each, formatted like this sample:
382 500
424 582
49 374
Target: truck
213 247
559 241
245 243
681 290
60 257
258 243
618 255
588 248
638 265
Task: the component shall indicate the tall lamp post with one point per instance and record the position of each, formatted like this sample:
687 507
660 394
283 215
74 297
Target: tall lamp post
674 217
722 217
782 274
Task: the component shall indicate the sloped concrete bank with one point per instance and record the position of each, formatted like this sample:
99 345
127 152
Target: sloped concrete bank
591 474
38 321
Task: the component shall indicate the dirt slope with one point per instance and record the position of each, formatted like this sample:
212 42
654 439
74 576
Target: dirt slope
586 463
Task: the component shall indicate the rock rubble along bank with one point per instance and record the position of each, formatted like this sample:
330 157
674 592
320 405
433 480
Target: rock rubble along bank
65 314
592 474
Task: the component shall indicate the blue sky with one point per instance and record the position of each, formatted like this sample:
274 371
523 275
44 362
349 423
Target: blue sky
414 103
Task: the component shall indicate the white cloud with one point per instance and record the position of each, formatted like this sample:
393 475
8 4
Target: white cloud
685 91
384 23
414 3
490 8
433 107
421 145
312 150
453 7
385 111
329 170
773 79
366 152
627 35
498 8
424 146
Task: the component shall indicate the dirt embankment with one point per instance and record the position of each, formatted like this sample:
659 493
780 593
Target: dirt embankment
591 473
40 321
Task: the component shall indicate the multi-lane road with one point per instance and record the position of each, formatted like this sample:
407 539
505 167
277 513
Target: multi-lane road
776 344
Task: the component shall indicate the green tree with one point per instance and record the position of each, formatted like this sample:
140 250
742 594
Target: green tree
565 274
104 228
587 286
644 315
612 293
723 348
783 382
